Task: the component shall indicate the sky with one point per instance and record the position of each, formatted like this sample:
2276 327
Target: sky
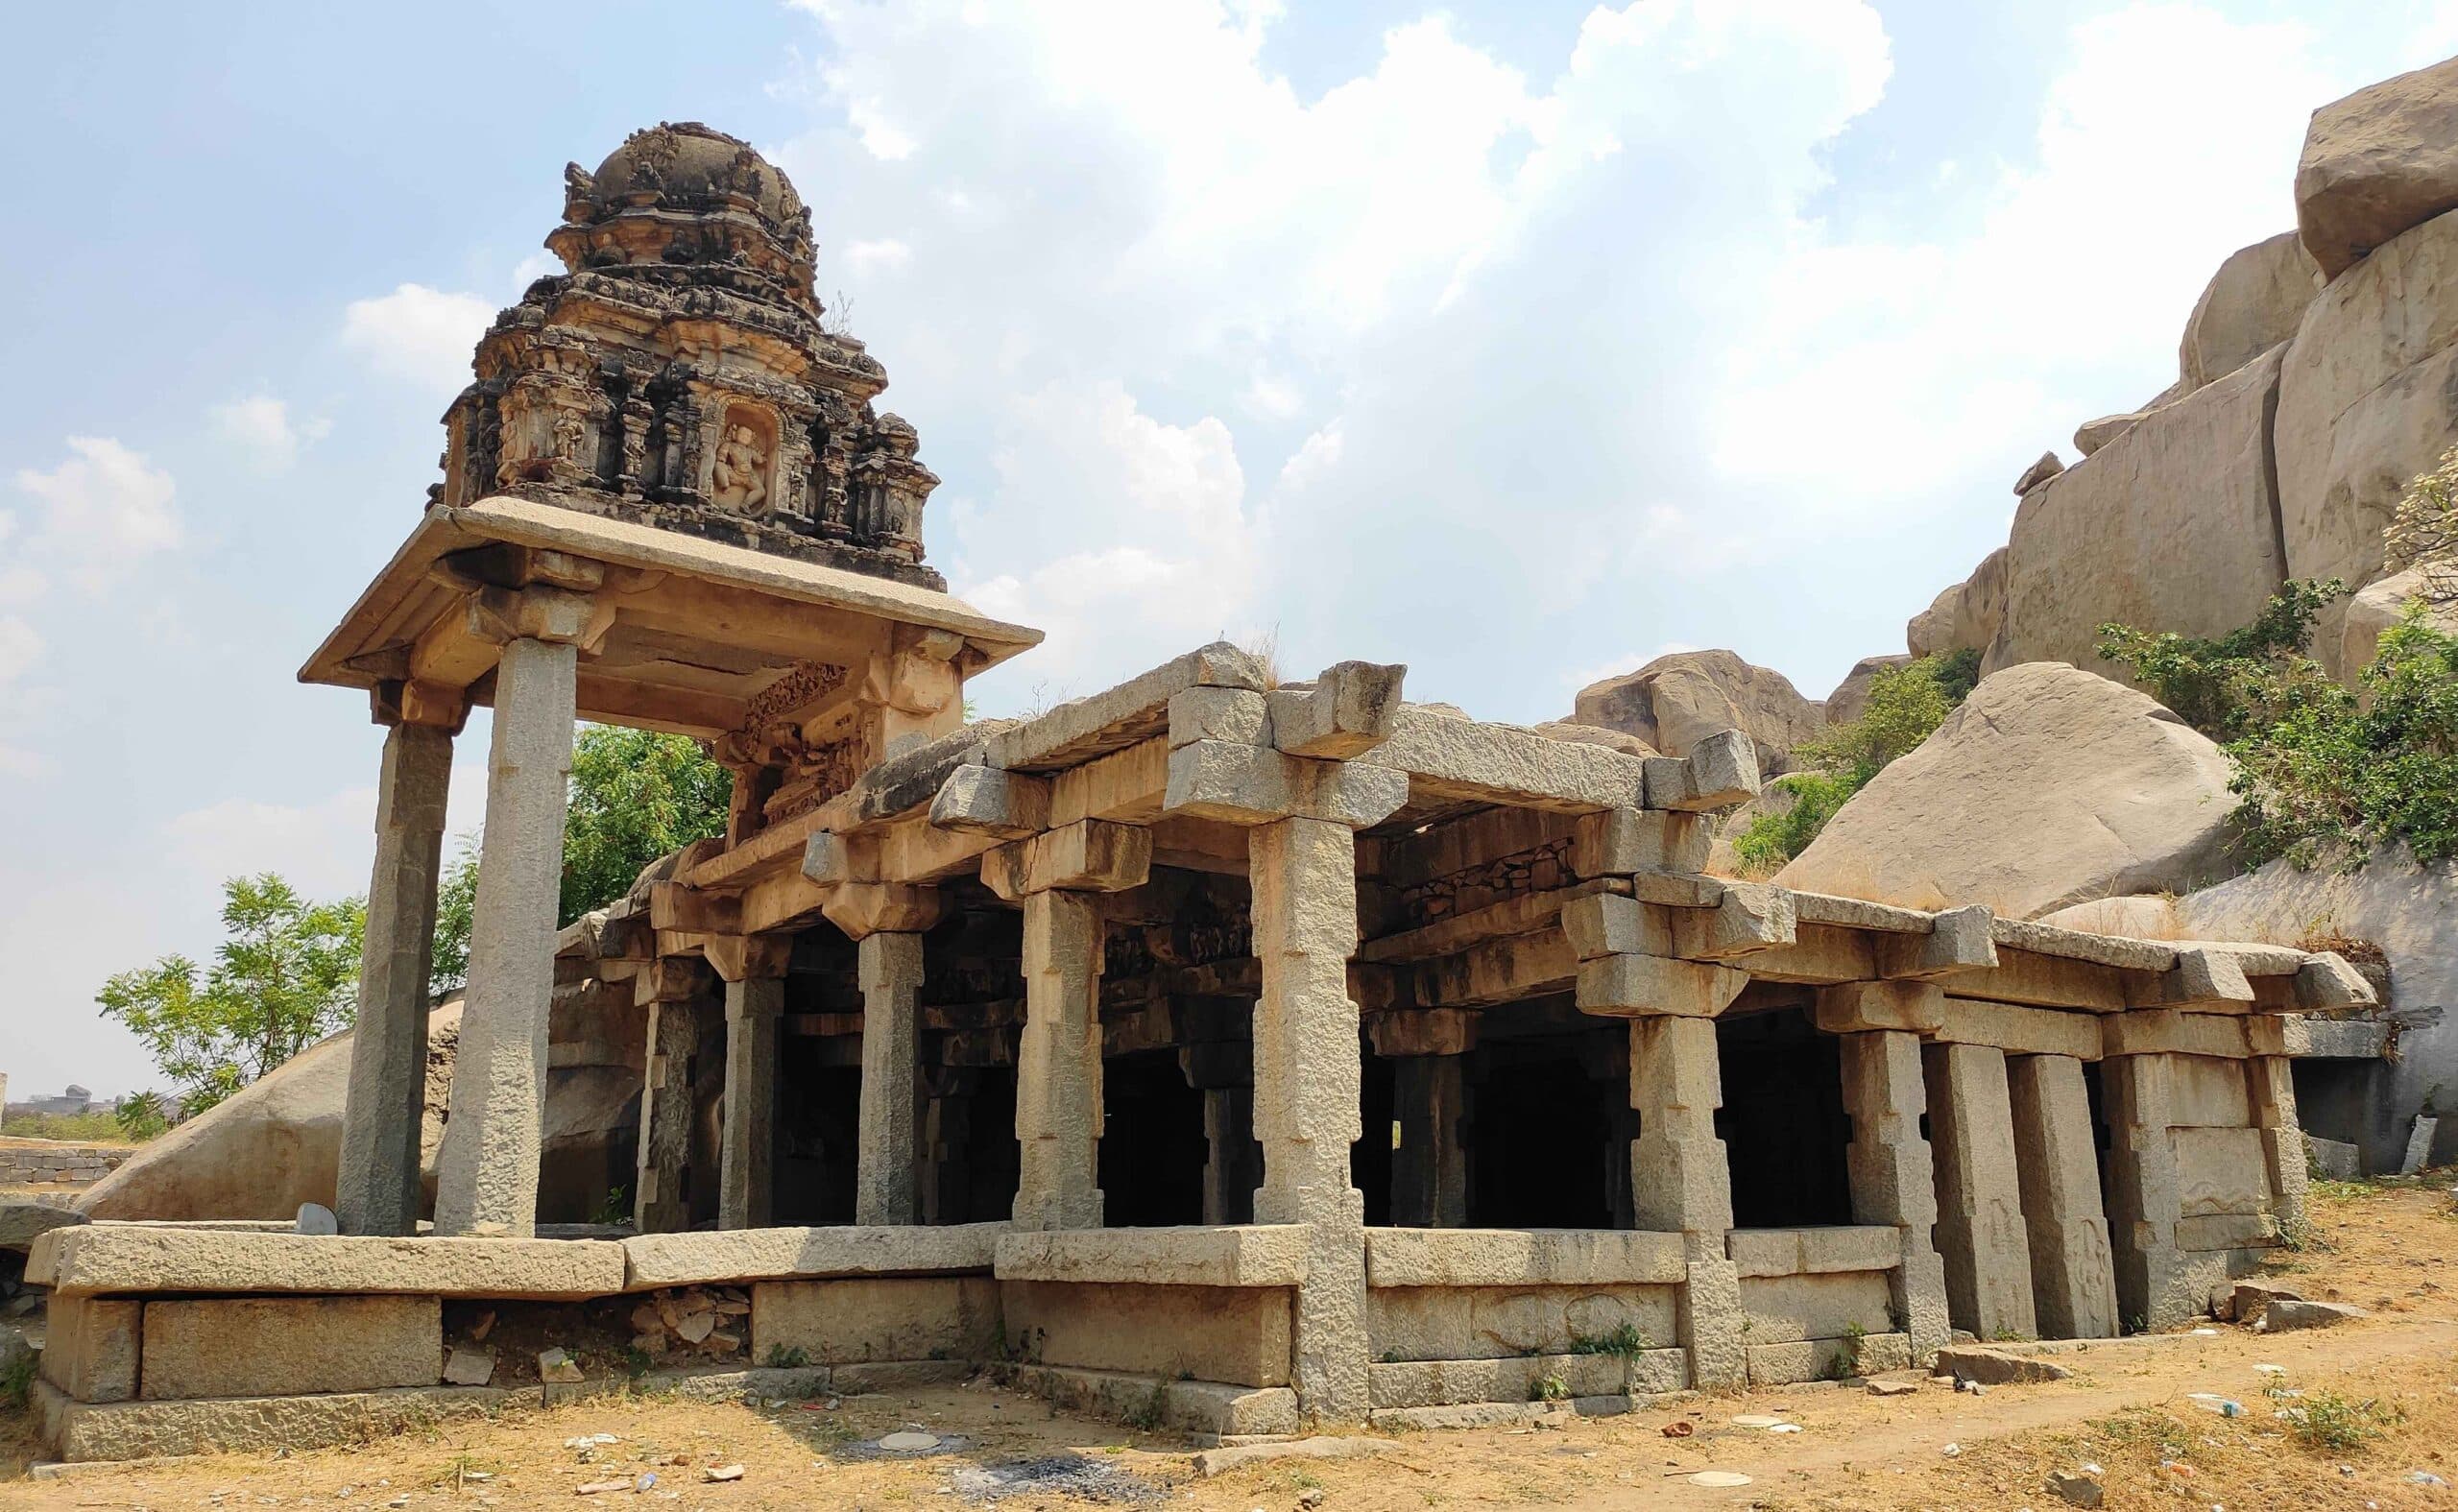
1520 341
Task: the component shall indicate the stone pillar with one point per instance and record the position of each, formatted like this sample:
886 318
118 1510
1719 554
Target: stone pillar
2073 1279
1980 1204
1058 1063
946 1171
1223 1071
378 1191
1429 1169
747 1147
488 1169
1893 1181
1307 1072
890 968
2274 1105
662 1194
1681 1184
2138 1098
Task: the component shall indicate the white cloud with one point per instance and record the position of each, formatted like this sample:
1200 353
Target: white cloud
1626 662
99 513
887 254
418 334
20 648
262 427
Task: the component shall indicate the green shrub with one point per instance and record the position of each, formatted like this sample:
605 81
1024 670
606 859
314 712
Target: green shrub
2325 775
1906 705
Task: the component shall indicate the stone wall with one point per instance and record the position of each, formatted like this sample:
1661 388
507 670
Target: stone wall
51 1162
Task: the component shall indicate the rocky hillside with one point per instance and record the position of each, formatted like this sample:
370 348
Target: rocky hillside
2317 376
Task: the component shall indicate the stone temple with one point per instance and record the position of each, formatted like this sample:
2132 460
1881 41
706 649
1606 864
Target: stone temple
1219 1051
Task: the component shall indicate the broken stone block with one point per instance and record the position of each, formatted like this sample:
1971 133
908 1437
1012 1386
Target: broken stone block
469 1367
2291 1314
1991 1367
2076 1487
1350 710
556 1365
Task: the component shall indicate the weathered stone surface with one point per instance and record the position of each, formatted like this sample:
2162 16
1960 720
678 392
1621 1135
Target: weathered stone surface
1993 1367
877 1318
2365 404
1789 1309
285 1346
1980 1234
2289 1315
1850 699
2169 526
1349 708
108 1258
1253 784
2093 434
1503 1321
2252 304
2073 1273
1758 1253
1241 1335
90 1347
245 1425
1621 841
656 1261
1244 1255
1450 758
2038 472
1520 1257
1594 735
2046 786
2376 608
2376 163
1454 1383
1790 1364
2220 1171
1676 700
1220 1409
22 1222
1642 986
1136 709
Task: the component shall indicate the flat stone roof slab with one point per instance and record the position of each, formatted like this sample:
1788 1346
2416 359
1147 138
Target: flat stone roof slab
1239 1255
805 1254
100 1260
1522 1257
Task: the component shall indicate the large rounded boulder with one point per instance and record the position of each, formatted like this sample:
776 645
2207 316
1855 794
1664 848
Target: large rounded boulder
1677 700
2048 785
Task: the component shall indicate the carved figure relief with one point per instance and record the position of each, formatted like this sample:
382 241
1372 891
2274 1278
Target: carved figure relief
740 482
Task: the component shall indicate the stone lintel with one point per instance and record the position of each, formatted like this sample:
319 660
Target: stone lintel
691 911
984 800
1958 940
1136 709
1423 1031
1232 1255
2204 980
2018 1030
1524 914
2077 944
1496 972
655 1261
1750 917
671 979
748 957
2044 981
861 909
408 701
1815 1250
1621 841
1640 986
1600 924
1241 716
1350 710
1818 955
102 1260
2169 1031
1090 857
1449 758
508 565
1911 1007
1129 785
1523 1257
2328 982
1859 913
1253 784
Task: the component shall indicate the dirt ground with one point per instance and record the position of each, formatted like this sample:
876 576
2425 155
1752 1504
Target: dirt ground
2391 1382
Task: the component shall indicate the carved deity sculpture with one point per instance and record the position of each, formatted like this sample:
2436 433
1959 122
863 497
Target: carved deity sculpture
741 476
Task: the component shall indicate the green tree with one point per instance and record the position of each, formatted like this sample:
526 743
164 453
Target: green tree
635 795
1905 705
141 1116
285 976
2240 681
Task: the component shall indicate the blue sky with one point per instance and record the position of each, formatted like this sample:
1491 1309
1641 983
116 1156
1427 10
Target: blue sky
1517 341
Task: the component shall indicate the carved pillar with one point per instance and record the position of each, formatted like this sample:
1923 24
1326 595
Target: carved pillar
1307 1080
662 1194
1681 1184
1892 1176
747 1147
2073 1279
890 965
488 1179
2138 1101
378 1189
1058 1063
1979 1232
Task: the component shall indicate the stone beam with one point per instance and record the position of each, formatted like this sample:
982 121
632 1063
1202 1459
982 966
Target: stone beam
2018 1030
1958 940
1621 841
1750 917
1454 758
1719 772
984 800
1253 784
2326 981
1351 708
1136 709
1655 986
692 911
2202 981
862 909
1867 1007
1092 856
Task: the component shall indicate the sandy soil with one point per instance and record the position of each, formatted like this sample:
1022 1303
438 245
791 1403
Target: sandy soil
2393 1249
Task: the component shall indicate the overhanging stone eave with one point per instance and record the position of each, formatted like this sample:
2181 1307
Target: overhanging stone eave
525 523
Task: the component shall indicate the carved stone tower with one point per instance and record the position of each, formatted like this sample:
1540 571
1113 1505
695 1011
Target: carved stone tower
680 373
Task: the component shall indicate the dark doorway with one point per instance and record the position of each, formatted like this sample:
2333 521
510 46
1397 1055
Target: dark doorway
1152 1143
1540 1125
1783 1122
1369 1160
818 1123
